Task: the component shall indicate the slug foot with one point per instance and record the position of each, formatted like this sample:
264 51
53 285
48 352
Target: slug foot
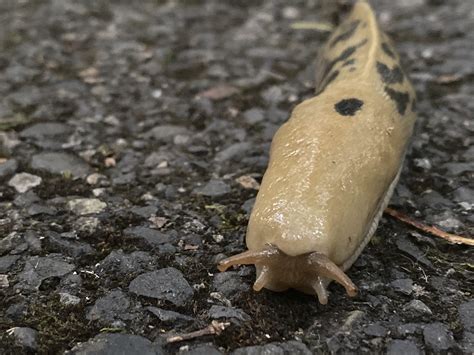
277 271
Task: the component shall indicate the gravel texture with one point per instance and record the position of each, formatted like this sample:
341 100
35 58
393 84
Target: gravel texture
133 138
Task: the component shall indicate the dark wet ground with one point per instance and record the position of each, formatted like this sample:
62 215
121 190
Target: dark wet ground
133 193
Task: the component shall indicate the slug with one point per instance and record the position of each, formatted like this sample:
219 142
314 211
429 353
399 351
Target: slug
333 165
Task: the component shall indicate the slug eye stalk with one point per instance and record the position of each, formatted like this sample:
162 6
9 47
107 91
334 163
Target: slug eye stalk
277 271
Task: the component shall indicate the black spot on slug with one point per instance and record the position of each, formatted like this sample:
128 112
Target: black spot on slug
400 98
348 107
351 27
348 62
388 51
346 53
390 76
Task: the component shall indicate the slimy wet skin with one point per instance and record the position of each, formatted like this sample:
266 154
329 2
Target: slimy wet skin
333 165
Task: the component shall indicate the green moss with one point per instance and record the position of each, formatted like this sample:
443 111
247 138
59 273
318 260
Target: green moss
59 327
17 119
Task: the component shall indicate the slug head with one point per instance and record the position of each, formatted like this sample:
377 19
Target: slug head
277 271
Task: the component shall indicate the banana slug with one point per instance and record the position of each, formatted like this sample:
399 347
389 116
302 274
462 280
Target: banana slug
333 165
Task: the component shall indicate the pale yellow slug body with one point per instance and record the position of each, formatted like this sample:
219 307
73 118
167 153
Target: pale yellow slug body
334 163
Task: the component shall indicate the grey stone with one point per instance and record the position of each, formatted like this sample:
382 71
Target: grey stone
166 284
45 129
468 342
33 239
8 141
437 337
166 249
72 281
253 116
466 314
169 317
23 182
236 314
403 347
167 132
74 248
156 158
232 152
411 249
19 74
24 337
408 329
418 307
446 220
455 169
201 349
124 179
151 237
461 194
248 206
423 163
125 264
38 269
13 243
36 209
4 282
434 199
113 306
68 300
404 286
6 262
229 283
292 347
145 212
60 163
85 206
87 225
213 188
26 97
116 344
273 95
17 311
375 330
8 168
26 199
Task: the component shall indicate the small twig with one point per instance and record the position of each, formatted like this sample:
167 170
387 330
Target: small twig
452 238
310 25
214 328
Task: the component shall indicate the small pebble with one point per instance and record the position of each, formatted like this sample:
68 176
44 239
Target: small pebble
437 337
23 182
418 306
85 206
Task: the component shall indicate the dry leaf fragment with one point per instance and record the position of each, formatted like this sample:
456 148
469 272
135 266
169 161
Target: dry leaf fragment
110 162
248 182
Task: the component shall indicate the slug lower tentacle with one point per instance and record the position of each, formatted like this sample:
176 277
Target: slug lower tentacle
311 272
333 165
